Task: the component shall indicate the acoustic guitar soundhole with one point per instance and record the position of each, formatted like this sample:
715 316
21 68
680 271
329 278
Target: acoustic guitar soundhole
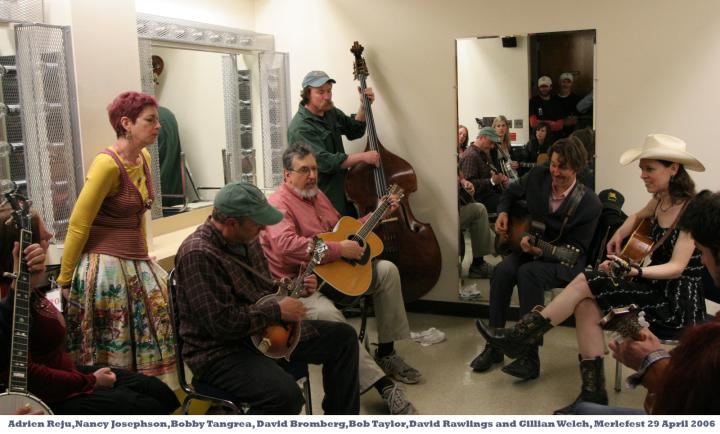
366 252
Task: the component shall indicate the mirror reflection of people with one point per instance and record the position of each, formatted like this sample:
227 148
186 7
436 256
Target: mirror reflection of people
504 149
462 140
51 374
478 167
568 101
539 143
544 107
668 290
321 125
169 152
117 311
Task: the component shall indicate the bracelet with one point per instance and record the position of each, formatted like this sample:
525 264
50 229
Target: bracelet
639 270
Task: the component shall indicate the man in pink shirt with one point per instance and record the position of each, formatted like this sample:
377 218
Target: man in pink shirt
309 212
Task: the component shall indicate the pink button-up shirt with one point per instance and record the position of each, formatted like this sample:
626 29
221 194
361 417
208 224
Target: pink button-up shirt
286 243
555 201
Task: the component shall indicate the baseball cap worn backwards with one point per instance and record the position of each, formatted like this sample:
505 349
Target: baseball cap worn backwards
240 199
490 133
316 79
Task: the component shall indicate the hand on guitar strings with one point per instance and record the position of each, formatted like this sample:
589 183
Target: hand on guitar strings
631 352
291 309
350 249
309 285
527 247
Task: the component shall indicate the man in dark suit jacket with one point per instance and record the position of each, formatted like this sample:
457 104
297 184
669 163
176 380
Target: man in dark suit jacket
549 193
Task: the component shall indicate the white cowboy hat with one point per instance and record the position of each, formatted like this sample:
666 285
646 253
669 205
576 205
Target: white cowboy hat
663 147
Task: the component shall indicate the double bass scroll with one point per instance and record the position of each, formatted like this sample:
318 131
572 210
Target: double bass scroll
409 243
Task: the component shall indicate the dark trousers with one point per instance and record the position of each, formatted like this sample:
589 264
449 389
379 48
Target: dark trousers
263 384
532 278
132 394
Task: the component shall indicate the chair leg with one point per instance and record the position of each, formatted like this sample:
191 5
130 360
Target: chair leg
618 376
308 395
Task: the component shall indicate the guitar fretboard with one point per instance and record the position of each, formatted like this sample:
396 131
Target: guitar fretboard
21 326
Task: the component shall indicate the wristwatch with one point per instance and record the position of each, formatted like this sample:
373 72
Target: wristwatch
636 379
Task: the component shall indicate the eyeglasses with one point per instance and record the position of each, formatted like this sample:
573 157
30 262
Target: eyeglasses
305 170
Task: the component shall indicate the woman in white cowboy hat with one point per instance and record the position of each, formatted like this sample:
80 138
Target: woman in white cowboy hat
669 290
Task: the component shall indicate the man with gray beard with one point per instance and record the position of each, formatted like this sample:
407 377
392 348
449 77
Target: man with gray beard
308 212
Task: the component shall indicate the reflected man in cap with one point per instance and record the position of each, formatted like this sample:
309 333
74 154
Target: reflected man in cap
545 107
321 125
221 273
568 100
478 167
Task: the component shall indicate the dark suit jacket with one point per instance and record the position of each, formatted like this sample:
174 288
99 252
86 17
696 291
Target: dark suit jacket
534 188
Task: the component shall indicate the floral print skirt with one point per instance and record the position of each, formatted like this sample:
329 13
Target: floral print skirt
117 315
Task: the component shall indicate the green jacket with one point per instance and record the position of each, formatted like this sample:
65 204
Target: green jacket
169 147
323 134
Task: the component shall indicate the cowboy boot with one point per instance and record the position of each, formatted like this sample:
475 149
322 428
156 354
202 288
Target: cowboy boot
517 340
526 367
592 372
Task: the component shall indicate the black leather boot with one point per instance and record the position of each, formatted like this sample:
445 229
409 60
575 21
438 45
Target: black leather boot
486 359
592 372
519 339
526 367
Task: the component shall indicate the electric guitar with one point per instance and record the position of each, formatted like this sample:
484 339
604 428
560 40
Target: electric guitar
348 276
279 340
524 226
17 395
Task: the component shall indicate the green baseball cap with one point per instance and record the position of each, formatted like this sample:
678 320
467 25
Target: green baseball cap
490 133
240 199
316 79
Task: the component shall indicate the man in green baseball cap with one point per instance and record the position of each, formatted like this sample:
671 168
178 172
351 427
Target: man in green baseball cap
321 125
223 284
478 167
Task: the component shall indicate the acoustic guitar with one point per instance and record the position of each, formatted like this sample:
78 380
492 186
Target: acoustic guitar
519 227
279 340
541 160
17 395
637 248
348 276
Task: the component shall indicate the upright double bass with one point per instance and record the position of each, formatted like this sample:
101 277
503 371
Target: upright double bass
410 244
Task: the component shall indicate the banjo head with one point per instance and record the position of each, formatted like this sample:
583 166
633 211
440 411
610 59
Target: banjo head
12 403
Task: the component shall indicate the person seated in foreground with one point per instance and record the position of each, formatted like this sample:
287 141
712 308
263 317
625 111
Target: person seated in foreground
307 212
221 274
51 374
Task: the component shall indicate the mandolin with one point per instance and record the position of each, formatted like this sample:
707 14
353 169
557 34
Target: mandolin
279 340
353 277
17 395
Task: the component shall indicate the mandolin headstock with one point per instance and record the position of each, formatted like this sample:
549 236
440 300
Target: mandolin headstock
360 69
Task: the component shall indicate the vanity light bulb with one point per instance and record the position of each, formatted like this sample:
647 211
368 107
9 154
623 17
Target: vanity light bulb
231 39
214 37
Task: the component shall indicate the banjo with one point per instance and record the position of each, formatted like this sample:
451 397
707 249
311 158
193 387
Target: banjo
17 396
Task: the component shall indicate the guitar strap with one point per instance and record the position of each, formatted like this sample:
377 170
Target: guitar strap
574 200
272 284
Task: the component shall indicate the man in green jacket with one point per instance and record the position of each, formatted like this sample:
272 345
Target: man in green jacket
319 124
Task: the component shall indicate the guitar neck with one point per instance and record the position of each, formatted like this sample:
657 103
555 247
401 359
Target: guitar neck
21 322
560 253
374 219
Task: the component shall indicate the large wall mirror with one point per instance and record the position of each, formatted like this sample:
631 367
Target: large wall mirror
498 77
223 98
